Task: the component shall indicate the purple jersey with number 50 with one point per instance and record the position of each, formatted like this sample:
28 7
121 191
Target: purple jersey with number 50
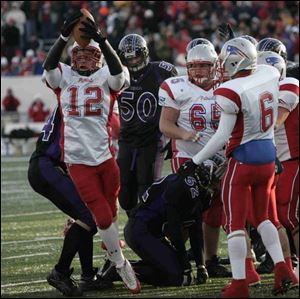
138 105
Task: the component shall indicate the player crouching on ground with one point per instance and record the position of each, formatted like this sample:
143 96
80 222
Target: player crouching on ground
156 229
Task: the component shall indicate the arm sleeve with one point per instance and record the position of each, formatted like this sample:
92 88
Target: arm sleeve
196 240
176 234
219 139
52 59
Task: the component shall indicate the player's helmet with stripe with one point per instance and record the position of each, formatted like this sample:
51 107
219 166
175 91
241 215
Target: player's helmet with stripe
198 41
274 59
133 52
274 45
237 54
250 39
201 65
86 60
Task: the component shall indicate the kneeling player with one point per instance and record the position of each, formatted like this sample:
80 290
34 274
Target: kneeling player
156 228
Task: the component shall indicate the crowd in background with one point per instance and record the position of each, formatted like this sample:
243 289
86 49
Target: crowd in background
28 26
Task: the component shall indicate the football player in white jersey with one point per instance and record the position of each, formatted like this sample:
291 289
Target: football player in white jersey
190 111
248 103
85 92
287 143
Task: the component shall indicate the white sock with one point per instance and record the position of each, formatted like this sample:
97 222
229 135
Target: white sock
110 237
270 238
297 271
237 249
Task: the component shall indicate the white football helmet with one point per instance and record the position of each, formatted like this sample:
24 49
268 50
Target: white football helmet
86 59
236 55
274 59
201 64
198 41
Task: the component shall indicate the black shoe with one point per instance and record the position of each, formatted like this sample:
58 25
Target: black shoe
108 272
224 261
64 283
259 250
294 260
202 275
190 255
267 266
215 269
93 283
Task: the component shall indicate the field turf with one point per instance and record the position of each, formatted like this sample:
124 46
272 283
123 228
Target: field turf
31 239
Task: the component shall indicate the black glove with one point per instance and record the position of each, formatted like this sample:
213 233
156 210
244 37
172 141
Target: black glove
187 168
278 166
91 30
69 23
202 275
188 277
225 31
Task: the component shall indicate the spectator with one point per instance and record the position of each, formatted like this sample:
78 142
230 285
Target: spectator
15 67
37 111
17 15
10 102
11 39
4 66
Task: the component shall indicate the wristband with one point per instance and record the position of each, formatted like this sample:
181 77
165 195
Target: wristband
65 38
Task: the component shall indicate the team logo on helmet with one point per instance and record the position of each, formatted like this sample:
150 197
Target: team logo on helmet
235 51
272 60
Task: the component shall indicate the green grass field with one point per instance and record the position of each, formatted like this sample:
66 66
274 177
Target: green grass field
31 239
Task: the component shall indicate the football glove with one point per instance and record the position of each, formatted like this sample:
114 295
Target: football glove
91 31
69 23
187 168
278 166
188 277
202 275
225 31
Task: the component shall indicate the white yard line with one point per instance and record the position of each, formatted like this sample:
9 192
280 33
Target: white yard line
13 169
15 182
25 190
22 283
29 214
14 159
29 241
24 255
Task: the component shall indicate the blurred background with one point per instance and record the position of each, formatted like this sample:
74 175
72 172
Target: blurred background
29 28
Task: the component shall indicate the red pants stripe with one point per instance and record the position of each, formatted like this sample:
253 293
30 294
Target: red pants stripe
98 187
287 194
244 185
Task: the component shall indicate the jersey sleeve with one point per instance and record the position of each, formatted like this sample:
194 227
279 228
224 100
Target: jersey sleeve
123 80
166 96
289 94
228 100
58 77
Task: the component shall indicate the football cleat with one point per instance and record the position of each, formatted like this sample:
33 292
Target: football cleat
129 278
93 282
283 279
64 283
215 269
202 275
108 271
267 266
237 289
252 278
